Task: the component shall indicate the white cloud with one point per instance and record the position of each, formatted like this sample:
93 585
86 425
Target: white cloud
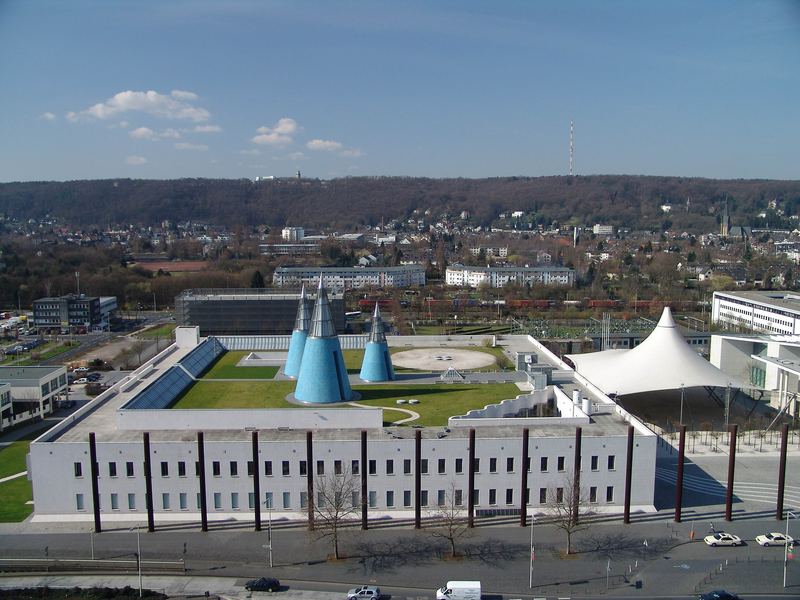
135 160
145 133
47 116
123 124
297 156
278 135
188 146
206 129
176 105
251 152
351 153
324 145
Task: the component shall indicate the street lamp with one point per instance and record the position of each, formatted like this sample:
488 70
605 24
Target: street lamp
789 515
268 546
533 549
138 558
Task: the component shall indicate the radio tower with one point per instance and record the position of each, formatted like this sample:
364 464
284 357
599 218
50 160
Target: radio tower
570 148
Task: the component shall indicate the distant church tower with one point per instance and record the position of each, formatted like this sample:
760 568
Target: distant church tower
725 223
297 344
377 365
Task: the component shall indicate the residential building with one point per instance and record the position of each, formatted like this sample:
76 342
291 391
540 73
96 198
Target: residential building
346 278
501 252
460 275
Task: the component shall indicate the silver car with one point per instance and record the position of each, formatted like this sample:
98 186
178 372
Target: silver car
365 592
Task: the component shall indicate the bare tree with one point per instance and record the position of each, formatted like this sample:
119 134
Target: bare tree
336 501
566 503
450 519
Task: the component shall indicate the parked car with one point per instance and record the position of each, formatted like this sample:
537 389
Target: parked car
718 595
723 539
369 592
80 370
774 539
263 584
81 380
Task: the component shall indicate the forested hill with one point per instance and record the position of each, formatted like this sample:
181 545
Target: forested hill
630 201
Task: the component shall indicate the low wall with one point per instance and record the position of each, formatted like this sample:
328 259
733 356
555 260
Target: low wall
492 414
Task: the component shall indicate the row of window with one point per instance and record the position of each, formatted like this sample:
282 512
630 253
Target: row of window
339 466
372 499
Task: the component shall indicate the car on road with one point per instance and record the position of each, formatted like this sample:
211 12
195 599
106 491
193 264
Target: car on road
263 584
718 595
774 539
723 539
368 592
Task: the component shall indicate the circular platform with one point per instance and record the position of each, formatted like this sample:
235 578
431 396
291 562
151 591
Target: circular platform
441 359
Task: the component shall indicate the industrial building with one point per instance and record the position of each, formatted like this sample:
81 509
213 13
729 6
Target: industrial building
757 311
246 311
464 276
339 279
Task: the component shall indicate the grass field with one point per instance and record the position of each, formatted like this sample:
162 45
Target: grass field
42 353
159 331
225 368
437 402
17 492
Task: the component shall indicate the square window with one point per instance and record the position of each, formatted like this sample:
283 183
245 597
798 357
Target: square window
390 467
510 464
441 466
354 467
407 466
164 469
543 464
112 469
181 469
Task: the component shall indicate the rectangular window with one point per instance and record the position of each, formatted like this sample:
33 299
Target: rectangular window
560 464
612 462
164 469
249 468
320 500
610 493
216 469
182 500
303 468
459 465
165 501
543 464
542 495
114 502
79 501
198 501
459 497
131 501
509 496
527 496
373 499
373 467
528 463
181 469
593 494
492 497
390 499
234 466
559 495
510 464
407 466
441 466
303 499
354 467
268 500
476 466
424 466
476 497
112 469
217 501
234 501
337 467
423 497
129 469
355 498
320 467
390 467
197 468
287 500
285 470
594 463
440 497
268 468
78 468
407 498
492 465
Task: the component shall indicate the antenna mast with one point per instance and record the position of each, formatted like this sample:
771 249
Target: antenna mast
570 148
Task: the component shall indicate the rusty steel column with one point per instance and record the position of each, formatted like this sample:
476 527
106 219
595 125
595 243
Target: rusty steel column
256 483
626 516
523 504
364 488
679 480
782 471
471 481
201 462
576 477
732 431
310 477
148 482
94 472
417 479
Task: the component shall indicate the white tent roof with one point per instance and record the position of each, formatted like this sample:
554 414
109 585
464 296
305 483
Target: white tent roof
663 361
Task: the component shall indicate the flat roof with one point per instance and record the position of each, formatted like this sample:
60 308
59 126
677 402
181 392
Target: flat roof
100 415
782 300
23 373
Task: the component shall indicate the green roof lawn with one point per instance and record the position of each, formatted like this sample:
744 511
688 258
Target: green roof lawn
225 368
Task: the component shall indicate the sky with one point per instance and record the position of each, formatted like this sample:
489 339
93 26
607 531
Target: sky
244 88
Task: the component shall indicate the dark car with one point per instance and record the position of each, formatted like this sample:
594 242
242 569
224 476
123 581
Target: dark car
719 595
263 584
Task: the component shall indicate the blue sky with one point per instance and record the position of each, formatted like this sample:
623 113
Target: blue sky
165 89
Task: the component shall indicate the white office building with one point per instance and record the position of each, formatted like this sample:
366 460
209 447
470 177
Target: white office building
463 276
756 311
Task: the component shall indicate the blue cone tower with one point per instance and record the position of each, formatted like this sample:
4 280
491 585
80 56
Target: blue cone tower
377 365
297 344
323 377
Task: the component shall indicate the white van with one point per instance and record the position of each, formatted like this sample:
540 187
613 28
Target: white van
460 590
